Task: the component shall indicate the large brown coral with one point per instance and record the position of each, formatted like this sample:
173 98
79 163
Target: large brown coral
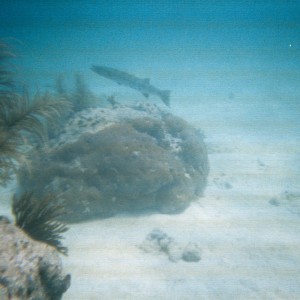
133 160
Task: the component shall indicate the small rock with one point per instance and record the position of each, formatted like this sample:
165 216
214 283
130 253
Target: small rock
274 202
158 241
191 253
261 163
227 185
174 252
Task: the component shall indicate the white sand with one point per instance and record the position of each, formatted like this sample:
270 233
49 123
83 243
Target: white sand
251 246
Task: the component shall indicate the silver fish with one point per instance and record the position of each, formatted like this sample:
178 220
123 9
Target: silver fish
141 85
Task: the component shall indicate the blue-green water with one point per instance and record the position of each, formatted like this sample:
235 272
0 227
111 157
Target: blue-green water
214 46
204 51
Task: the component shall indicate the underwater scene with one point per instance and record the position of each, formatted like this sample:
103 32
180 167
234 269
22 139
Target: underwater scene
150 149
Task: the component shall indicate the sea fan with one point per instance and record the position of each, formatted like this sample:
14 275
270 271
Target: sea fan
32 115
6 76
7 145
22 118
8 155
38 218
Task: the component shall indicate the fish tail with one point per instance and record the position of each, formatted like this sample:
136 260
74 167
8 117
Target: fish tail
165 97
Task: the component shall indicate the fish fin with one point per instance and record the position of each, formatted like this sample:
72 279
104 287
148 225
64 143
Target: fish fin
165 97
146 95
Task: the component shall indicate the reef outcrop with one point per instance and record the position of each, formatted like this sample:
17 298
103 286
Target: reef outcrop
29 269
121 159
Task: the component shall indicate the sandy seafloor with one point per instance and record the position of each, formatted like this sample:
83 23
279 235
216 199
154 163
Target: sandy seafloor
247 224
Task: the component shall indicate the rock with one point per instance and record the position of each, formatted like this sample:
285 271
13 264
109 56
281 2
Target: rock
191 253
158 241
174 252
29 269
121 159
222 183
274 202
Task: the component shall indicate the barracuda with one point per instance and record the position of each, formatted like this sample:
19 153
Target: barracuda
141 85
